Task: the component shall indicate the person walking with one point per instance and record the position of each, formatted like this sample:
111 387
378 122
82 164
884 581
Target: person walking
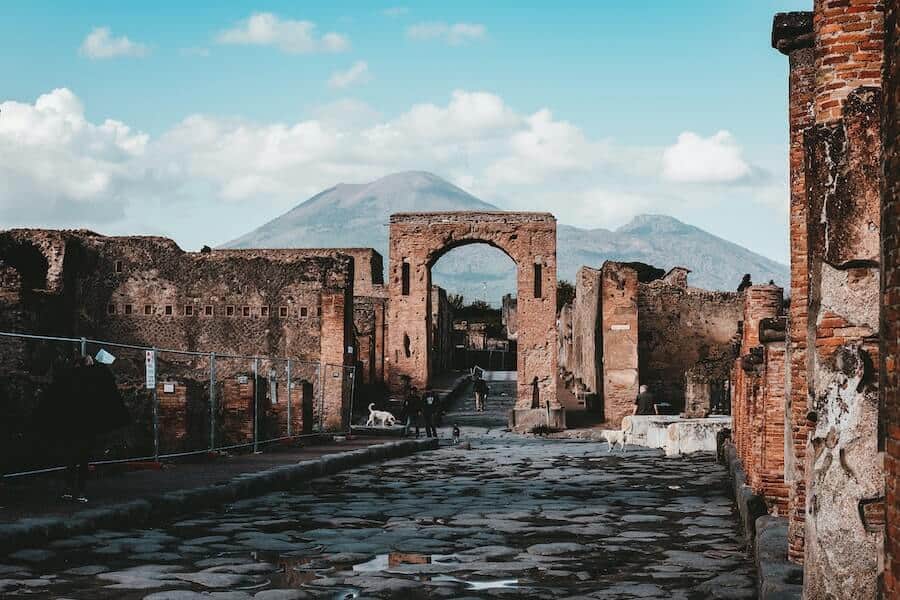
413 407
429 410
86 404
644 403
481 389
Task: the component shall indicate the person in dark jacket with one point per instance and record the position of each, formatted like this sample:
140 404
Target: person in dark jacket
87 404
481 391
644 403
429 411
412 408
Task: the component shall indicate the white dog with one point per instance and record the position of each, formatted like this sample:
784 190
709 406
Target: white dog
386 418
613 437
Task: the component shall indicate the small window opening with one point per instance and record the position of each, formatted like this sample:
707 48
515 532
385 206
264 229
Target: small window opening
318 311
264 311
111 309
282 311
148 309
129 309
119 266
229 311
404 279
537 280
208 311
189 311
304 311
246 311
406 348
168 309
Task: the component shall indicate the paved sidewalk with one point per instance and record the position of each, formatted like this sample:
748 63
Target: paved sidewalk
38 496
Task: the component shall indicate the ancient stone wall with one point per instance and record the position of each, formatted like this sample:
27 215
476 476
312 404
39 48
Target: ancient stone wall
890 296
619 332
146 291
682 330
418 240
792 35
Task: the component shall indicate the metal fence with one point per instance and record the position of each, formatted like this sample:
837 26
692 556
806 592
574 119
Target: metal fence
193 402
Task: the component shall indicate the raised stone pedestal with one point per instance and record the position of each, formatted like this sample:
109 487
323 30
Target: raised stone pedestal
523 420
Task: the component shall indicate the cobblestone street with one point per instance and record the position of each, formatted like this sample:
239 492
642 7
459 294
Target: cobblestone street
508 517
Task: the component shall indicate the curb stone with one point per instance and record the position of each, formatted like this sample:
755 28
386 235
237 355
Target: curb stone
32 532
766 536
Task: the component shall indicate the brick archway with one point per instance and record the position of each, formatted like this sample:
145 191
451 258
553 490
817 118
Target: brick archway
418 240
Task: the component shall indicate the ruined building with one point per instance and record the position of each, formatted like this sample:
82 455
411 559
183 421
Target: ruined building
324 309
630 324
837 396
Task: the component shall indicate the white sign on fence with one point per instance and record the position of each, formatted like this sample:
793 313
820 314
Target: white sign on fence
150 363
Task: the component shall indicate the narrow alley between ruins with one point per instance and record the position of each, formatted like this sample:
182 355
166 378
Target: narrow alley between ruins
496 516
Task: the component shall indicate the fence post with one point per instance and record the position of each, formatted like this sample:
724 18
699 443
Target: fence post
255 405
212 401
154 399
289 398
84 346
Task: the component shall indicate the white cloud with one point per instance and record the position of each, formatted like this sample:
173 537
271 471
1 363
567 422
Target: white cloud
695 159
290 36
56 165
454 34
100 44
395 11
57 168
356 74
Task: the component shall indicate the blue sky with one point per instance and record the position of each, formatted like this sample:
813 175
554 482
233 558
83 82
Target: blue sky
234 112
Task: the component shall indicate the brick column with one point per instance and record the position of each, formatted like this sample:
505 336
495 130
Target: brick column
844 477
619 331
792 34
337 311
761 302
890 297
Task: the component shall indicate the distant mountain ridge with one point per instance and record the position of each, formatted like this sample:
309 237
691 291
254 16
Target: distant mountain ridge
357 215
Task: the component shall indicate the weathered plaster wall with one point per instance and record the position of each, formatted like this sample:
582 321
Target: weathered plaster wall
890 295
845 484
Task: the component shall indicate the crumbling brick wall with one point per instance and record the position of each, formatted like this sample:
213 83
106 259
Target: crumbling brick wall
146 291
890 295
619 331
835 274
680 328
759 396
792 34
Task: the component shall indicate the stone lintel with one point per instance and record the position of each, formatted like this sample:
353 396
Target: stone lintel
792 31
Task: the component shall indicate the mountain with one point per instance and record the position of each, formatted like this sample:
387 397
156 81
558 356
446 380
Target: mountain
357 215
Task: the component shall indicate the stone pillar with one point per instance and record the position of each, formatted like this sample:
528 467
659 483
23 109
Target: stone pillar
844 476
337 310
619 330
792 34
890 296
